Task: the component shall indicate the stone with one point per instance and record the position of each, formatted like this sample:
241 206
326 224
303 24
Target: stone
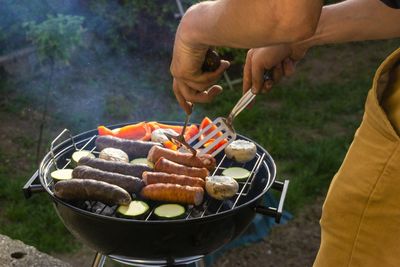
14 253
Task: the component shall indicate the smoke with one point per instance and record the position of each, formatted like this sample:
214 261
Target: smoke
120 74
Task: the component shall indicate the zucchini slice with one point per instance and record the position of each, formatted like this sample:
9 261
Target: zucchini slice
236 173
77 155
62 174
170 211
135 209
142 161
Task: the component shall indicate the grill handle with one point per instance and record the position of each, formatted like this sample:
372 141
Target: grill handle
30 187
271 211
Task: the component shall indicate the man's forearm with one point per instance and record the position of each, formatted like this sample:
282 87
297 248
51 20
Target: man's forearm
248 24
354 20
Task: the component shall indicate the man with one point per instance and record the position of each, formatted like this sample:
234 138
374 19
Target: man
360 224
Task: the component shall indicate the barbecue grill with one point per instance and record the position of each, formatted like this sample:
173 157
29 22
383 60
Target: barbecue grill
151 241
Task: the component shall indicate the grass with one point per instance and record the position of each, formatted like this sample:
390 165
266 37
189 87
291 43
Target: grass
306 123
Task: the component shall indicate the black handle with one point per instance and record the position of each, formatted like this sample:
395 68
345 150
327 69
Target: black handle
212 61
269 75
30 188
271 211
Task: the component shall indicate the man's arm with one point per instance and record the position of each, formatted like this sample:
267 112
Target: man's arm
249 24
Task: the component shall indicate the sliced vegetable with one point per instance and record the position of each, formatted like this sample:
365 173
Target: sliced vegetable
77 155
169 211
139 131
142 161
236 173
191 130
170 145
62 174
113 154
204 123
158 135
135 208
241 151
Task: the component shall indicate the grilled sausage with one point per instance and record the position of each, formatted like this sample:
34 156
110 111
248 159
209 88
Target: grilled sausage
134 148
118 167
203 161
129 183
164 165
173 193
88 189
167 178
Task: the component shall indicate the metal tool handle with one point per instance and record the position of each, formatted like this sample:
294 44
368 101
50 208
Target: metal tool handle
246 99
212 61
271 211
30 187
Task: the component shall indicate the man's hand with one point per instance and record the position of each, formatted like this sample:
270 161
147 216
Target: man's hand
281 59
190 83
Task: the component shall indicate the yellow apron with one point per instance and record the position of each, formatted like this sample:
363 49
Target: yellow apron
360 223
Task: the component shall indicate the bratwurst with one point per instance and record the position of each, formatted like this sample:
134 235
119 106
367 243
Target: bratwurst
164 165
203 161
173 193
129 183
115 166
88 189
168 178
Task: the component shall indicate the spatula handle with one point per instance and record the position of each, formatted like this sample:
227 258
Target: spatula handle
211 62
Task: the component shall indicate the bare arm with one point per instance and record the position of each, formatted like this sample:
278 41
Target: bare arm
233 23
354 20
249 24
347 21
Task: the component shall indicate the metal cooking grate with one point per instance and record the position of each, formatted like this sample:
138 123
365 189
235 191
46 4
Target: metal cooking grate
210 206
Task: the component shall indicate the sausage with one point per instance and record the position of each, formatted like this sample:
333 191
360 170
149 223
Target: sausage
134 148
174 193
118 167
88 189
206 160
167 178
129 183
164 165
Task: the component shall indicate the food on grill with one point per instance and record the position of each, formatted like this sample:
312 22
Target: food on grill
206 161
165 165
77 155
167 178
173 193
241 151
170 145
142 161
134 148
115 166
114 154
191 130
139 131
88 189
205 123
169 211
127 182
135 208
158 135
221 187
236 173
62 174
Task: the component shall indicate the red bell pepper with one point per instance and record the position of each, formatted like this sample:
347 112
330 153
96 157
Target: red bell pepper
139 131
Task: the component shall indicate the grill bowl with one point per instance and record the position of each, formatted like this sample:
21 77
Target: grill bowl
220 223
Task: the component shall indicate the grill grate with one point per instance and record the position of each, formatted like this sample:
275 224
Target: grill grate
210 206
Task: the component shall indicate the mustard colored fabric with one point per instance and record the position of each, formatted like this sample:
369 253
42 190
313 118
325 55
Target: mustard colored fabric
360 223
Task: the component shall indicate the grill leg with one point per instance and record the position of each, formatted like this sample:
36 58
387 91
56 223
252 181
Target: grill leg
200 263
99 260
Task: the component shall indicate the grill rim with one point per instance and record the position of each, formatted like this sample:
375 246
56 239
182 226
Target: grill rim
46 164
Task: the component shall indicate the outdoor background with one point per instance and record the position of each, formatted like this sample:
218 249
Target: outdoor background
79 64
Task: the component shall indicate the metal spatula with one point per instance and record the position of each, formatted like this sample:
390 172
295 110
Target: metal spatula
223 125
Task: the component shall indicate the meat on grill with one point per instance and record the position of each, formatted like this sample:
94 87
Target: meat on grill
173 193
134 148
167 178
165 165
114 166
206 160
129 183
88 189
